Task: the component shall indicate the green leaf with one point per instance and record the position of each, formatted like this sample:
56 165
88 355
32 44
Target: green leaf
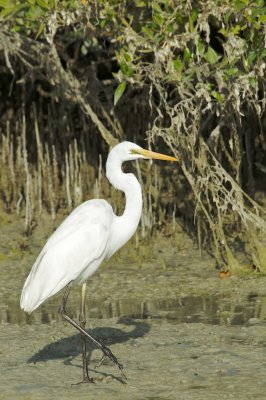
194 15
240 4
187 54
231 71
262 54
201 47
211 56
140 3
170 28
40 31
127 57
179 18
157 8
178 65
148 32
251 57
126 69
236 29
14 10
158 19
218 96
223 32
6 4
119 92
262 18
191 24
103 22
191 19
43 4
253 81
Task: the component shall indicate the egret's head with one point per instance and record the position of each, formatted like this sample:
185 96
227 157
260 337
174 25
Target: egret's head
127 151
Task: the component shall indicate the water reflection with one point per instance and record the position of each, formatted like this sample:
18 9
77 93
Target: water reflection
218 310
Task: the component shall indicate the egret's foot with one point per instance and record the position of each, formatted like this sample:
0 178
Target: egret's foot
85 380
88 380
107 353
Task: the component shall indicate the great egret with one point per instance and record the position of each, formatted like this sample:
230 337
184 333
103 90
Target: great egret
91 233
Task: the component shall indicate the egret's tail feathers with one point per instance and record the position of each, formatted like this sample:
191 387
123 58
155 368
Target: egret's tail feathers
28 303
34 294
39 286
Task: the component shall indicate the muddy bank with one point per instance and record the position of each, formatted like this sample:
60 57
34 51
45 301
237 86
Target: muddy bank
162 361
180 331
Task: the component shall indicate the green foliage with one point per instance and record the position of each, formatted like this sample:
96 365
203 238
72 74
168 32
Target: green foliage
176 35
190 45
119 92
31 16
211 56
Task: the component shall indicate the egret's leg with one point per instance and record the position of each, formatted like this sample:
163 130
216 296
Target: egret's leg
107 352
82 322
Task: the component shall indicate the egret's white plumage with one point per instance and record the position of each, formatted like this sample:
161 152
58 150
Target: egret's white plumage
91 233
87 236
72 253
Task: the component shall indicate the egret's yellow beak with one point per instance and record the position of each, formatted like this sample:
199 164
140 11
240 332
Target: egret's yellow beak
153 154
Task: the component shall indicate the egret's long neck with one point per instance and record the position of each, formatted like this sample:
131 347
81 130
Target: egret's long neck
125 225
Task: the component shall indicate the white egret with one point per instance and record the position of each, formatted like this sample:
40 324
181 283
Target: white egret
91 233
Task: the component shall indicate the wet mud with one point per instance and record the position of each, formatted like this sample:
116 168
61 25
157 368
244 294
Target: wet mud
179 330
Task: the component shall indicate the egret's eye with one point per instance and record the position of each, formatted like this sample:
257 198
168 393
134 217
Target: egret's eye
134 151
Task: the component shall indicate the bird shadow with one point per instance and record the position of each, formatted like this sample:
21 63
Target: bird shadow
68 348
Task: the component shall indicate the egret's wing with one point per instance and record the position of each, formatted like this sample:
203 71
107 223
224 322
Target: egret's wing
95 211
73 252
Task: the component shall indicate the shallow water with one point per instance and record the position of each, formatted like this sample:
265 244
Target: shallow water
179 330
208 309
